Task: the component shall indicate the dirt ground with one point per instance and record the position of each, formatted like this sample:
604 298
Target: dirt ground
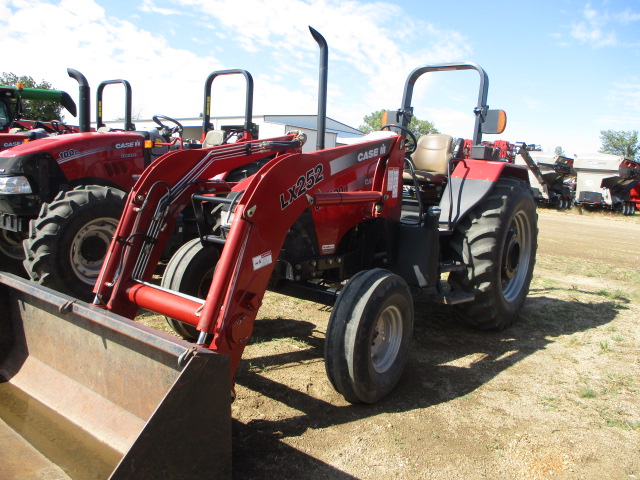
554 396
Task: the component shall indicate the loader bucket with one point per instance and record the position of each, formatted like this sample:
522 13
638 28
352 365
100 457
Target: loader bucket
85 393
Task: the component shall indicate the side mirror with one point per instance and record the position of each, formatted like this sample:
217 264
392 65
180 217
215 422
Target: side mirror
495 121
390 117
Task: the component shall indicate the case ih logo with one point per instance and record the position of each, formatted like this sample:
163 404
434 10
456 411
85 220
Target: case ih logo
374 152
137 143
68 153
11 144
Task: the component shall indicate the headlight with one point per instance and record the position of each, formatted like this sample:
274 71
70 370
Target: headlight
14 185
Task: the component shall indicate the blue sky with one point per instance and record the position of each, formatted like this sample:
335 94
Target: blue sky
562 69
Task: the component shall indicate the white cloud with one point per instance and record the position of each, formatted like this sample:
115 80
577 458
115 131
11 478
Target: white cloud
367 41
601 29
371 51
164 80
149 7
624 97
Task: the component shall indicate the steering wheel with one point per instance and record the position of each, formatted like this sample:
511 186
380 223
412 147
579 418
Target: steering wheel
60 127
166 131
409 147
38 124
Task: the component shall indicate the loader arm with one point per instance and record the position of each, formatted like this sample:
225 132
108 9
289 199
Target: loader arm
271 202
533 166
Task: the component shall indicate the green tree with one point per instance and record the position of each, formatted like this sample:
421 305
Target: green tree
41 110
620 142
373 122
560 151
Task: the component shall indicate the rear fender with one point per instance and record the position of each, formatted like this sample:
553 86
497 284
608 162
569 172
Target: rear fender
470 182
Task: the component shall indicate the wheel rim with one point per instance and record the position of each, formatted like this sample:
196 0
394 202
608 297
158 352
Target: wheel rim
89 247
516 256
11 244
387 337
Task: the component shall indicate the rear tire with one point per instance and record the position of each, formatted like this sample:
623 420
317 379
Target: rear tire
190 271
369 335
498 242
68 241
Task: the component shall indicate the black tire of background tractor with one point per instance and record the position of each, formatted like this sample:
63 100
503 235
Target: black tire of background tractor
369 335
190 271
11 253
498 242
69 239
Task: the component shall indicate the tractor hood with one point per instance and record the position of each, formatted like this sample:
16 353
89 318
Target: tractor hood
76 158
77 145
8 140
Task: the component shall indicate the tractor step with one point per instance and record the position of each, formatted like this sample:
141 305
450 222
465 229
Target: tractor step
453 298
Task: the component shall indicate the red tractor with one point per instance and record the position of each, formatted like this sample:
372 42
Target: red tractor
61 197
331 225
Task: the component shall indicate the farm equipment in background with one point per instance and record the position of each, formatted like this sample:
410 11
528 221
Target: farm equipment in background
607 181
14 130
331 225
554 182
61 198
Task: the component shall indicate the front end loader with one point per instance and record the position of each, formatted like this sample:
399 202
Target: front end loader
331 225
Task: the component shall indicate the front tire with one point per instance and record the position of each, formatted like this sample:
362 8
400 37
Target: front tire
369 335
68 241
190 271
498 242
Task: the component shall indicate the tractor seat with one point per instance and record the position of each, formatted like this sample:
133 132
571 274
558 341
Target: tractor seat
431 157
213 138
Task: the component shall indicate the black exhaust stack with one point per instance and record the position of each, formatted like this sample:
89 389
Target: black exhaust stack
83 99
322 87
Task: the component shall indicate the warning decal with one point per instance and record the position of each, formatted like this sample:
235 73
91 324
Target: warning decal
263 260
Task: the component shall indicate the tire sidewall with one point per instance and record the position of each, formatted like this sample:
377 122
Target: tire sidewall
51 235
350 331
480 241
515 204
368 383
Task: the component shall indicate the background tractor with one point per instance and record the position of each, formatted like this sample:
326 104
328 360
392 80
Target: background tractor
14 130
63 195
